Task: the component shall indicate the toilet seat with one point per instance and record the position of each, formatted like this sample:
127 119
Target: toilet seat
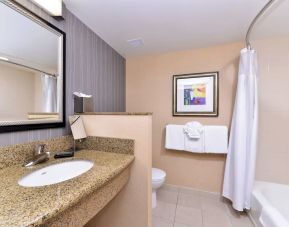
158 175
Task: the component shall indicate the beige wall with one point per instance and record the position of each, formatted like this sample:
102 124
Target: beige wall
273 152
19 90
16 92
132 206
149 88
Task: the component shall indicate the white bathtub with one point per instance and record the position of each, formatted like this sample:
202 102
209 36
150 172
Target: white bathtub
270 205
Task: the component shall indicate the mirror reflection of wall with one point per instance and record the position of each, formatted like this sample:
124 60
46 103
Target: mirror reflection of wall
26 93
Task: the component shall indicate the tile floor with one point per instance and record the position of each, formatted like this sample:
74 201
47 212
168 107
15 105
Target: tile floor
185 207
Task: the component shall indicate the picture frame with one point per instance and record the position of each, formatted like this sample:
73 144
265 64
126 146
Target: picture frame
196 94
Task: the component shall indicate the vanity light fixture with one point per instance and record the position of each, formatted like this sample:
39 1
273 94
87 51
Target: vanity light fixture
3 58
53 7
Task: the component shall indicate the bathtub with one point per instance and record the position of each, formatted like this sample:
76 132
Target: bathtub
270 205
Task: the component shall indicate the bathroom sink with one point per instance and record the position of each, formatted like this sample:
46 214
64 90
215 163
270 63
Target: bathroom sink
55 173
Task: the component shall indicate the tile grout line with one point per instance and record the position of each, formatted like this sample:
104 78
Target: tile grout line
225 208
176 207
202 211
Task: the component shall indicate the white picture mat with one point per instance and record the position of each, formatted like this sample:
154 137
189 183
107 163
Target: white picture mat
181 83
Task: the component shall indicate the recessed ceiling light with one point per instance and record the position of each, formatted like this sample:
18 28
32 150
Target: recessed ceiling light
135 42
4 59
53 7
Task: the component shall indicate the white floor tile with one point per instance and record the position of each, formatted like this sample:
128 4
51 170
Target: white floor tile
212 203
189 216
195 209
167 196
216 218
238 219
242 222
181 225
165 210
189 191
189 200
169 187
211 195
159 222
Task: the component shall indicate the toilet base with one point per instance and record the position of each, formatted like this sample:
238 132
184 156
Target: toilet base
154 199
158 179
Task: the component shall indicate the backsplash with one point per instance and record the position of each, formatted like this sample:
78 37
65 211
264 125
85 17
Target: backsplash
115 145
21 153
93 67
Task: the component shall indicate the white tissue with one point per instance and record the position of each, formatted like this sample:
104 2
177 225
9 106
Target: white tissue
79 94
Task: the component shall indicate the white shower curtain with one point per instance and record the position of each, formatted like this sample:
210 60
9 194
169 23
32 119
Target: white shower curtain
241 158
49 93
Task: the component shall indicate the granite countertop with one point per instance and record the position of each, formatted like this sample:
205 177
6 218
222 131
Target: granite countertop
115 113
24 206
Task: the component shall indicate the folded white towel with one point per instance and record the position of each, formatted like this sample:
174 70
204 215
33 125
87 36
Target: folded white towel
213 139
216 139
175 137
194 129
194 145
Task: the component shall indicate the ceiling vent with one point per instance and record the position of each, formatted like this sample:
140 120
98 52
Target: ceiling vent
135 42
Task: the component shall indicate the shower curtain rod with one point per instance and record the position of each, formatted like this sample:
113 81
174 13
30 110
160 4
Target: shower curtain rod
28 67
260 14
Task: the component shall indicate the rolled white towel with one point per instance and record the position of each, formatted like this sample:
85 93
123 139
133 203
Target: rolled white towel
194 129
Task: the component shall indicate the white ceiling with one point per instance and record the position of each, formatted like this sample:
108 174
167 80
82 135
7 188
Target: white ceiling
275 22
166 25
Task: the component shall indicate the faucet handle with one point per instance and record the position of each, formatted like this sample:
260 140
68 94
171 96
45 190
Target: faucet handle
39 149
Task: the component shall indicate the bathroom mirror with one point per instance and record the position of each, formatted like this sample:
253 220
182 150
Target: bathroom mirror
32 70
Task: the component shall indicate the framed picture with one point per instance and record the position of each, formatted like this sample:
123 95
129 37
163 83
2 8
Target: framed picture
196 94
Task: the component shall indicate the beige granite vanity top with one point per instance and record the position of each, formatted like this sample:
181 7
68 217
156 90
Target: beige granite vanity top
116 113
24 206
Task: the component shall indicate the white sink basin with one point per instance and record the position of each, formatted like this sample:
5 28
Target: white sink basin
55 173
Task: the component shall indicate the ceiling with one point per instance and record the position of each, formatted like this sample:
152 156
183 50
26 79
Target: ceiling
166 25
274 23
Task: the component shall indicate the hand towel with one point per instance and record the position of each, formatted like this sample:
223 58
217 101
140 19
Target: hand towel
194 129
216 139
175 137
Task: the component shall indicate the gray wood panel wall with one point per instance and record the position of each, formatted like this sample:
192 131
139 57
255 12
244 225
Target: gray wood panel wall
92 67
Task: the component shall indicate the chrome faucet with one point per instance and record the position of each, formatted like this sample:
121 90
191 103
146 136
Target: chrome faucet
39 156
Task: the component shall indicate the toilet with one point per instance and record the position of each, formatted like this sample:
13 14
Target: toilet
158 179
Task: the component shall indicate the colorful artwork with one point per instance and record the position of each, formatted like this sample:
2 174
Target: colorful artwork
195 94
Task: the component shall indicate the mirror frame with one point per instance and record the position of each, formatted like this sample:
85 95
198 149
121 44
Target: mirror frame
35 18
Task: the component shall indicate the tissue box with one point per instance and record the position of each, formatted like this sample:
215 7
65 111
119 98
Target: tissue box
83 104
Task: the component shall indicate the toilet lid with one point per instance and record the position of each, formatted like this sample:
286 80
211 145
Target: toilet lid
158 174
